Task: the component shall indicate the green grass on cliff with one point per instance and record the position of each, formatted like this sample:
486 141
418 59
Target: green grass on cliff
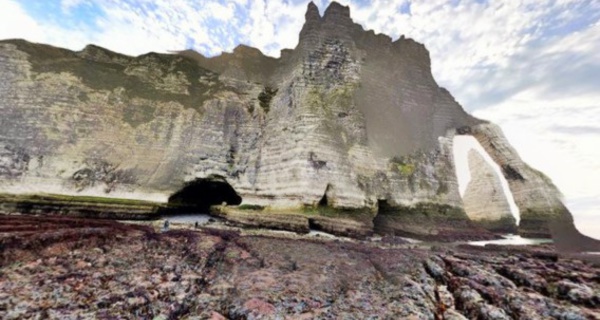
402 166
266 96
340 96
253 207
109 76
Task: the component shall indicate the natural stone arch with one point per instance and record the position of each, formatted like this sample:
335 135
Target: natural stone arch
484 199
485 192
204 192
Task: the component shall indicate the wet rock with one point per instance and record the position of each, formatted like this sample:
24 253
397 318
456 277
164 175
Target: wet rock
451 314
208 273
577 293
492 313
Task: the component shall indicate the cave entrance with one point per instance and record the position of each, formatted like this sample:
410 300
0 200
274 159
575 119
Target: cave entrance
202 193
383 206
379 221
313 225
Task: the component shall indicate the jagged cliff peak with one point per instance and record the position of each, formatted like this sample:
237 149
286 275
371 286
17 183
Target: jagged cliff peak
94 49
338 23
243 49
312 12
336 11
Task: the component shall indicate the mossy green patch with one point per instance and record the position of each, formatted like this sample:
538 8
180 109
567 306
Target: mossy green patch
406 169
315 98
250 207
403 166
542 214
341 96
265 97
109 76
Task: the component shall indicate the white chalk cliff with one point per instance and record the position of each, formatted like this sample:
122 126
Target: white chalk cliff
349 116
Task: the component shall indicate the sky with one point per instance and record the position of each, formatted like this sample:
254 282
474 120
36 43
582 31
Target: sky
531 66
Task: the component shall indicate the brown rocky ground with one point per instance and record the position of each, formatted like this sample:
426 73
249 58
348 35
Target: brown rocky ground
68 268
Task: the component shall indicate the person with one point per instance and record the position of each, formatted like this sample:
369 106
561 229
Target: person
196 225
166 225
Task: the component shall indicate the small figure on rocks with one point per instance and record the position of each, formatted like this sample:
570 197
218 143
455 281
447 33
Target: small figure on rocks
196 225
166 225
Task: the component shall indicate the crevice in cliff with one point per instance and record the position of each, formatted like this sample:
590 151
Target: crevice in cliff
324 202
313 224
205 192
379 221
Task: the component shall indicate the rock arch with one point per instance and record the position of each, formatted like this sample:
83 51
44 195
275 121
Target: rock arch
485 192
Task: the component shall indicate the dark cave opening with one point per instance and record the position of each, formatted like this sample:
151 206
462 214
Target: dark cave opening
379 221
382 205
323 202
313 225
205 192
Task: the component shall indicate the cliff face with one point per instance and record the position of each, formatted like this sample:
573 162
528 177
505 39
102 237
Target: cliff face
348 120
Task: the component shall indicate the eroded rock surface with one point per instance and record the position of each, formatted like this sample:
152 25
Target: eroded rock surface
64 268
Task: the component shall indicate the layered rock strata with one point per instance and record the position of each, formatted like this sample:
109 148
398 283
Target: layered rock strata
348 115
90 207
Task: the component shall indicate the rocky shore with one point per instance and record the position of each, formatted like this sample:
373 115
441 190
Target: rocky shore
425 223
73 268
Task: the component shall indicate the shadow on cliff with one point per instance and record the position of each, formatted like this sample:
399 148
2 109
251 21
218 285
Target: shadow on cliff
202 193
567 239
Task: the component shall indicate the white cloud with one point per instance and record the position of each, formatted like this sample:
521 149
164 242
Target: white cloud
221 12
13 16
273 25
16 23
